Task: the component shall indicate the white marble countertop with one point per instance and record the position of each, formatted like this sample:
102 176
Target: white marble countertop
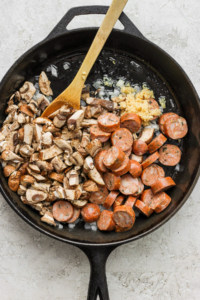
163 265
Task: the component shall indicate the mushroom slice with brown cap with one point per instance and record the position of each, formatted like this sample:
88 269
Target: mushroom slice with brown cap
68 135
90 186
21 118
11 108
45 187
8 170
74 122
88 164
96 176
34 157
35 196
47 139
34 168
44 165
26 110
56 176
58 164
21 190
9 155
70 194
58 192
73 178
42 102
79 203
14 180
88 122
37 132
44 84
27 91
48 218
26 150
26 180
62 144
42 121
59 121
79 161
37 176
28 134
108 105
50 152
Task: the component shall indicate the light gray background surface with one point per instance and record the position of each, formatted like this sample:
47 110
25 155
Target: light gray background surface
163 265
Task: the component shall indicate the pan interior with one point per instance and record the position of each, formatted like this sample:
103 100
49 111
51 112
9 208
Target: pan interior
136 61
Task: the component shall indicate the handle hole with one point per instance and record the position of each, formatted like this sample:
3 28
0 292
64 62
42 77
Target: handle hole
90 21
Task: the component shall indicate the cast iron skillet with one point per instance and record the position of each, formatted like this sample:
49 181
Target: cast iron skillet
138 60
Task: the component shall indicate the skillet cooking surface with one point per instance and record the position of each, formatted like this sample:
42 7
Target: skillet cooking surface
135 62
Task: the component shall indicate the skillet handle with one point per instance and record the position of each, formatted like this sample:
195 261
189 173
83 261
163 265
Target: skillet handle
60 28
98 282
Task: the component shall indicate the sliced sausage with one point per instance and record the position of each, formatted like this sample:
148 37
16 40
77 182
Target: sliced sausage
110 199
147 197
120 229
113 158
100 196
124 168
122 138
130 201
131 121
138 158
97 133
150 160
128 152
124 216
145 209
112 181
163 119
108 122
135 168
151 174
75 216
140 187
175 127
153 105
139 147
118 201
157 143
90 212
98 161
161 202
162 184
105 221
129 185
147 135
170 155
62 211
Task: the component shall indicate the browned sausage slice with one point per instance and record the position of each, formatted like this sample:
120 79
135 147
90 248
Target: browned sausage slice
100 196
124 216
140 188
135 168
176 127
110 199
75 216
150 160
145 209
147 197
131 121
98 161
105 221
62 211
157 143
97 133
124 168
163 119
130 201
108 122
90 212
113 158
128 152
129 185
147 135
162 184
122 138
170 155
139 147
151 174
118 201
161 202
112 181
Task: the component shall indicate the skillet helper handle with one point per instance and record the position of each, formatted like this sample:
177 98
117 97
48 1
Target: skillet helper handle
61 27
98 282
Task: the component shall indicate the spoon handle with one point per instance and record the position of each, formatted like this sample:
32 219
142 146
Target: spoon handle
102 35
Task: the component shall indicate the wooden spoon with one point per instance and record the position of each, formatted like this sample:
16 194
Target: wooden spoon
72 94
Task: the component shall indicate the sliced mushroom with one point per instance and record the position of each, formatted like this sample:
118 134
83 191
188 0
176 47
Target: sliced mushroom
73 178
43 102
28 134
74 122
75 144
47 139
34 168
44 165
14 180
9 118
70 194
37 132
45 187
5 130
38 206
59 121
8 170
21 190
96 176
58 164
79 161
23 168
35 196
108 105
50 128
9 155
50 152
26 110
48 218
88 164
26 180
88 122
44 85
62 144
27 91
90 186
79 203
93 147
11 108
21 119
6 146
14 126
56 176
26 150
43 121
37 176
34 157
68 135
2 137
